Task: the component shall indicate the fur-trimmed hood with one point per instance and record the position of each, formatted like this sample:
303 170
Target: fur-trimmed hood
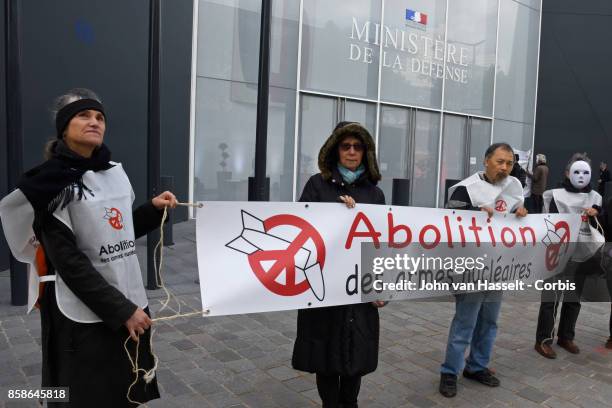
328 155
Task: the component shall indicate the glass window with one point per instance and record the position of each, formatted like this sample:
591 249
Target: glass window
340 47
284 32
409 150
394 146
517 135
224 146
281 137
425 167
534 4
480 139
317 121
471 37
413 52
517 62
228 39
362 112
454 142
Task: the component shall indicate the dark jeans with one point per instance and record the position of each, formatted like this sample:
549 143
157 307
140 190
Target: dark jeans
569 311
338 391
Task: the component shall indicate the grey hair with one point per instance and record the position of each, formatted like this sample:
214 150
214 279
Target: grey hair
502 145
58 103
541 158
72 95
578 157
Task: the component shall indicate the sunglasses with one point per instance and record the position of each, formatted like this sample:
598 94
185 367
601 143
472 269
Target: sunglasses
358 147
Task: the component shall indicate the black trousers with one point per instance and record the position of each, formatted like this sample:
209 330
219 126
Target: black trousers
609 282
569 311
338 391
537 202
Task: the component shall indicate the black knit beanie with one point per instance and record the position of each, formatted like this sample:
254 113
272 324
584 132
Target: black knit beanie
65 115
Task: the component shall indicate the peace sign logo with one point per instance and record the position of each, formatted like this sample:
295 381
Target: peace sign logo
501 206
282 254
557 237
114 217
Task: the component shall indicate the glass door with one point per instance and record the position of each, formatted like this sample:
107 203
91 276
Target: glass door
465 140
453 166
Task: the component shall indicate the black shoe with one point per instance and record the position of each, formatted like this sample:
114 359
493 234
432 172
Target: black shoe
448 385
483 376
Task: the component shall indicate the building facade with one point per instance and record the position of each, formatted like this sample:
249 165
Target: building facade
450 77
434 81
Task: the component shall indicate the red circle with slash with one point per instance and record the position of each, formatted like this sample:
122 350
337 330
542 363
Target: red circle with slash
501 206
116 219
553 250
284 260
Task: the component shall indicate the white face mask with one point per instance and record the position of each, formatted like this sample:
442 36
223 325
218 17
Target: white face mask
580 174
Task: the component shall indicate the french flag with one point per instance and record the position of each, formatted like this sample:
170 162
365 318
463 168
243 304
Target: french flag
416 16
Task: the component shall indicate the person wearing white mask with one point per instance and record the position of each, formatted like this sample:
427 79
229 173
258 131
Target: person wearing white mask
576 196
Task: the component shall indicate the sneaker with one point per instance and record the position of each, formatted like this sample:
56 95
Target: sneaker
609 343
483 376
569 345
545 350
448 385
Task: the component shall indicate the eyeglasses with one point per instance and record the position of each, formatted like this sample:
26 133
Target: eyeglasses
358 147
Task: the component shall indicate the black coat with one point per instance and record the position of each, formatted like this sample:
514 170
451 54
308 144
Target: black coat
338 340
89 358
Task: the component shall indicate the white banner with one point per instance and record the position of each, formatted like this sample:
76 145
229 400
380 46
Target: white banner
267 256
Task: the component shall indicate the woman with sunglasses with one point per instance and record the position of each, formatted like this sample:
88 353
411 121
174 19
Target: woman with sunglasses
340 343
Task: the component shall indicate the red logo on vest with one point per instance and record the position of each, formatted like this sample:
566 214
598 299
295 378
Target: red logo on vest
114 217
501 206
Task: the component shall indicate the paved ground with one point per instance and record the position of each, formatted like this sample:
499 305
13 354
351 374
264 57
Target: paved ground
244 361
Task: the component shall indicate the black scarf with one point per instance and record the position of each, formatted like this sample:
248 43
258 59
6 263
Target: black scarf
59 180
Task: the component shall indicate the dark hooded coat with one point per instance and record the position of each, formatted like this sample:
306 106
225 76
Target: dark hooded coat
340 340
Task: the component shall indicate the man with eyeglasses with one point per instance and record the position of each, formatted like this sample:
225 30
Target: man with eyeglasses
475 322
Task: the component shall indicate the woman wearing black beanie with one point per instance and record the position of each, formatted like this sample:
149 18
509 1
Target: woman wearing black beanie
71 218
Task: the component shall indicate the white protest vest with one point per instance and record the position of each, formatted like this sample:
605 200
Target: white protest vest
17 216
103 228
104 231
572 203
505 196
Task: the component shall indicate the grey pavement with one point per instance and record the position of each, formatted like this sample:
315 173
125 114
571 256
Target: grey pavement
245 360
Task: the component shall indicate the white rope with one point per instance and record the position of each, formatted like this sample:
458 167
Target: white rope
558 301
149 375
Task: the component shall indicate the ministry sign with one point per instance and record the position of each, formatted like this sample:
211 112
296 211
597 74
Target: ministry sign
409 50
